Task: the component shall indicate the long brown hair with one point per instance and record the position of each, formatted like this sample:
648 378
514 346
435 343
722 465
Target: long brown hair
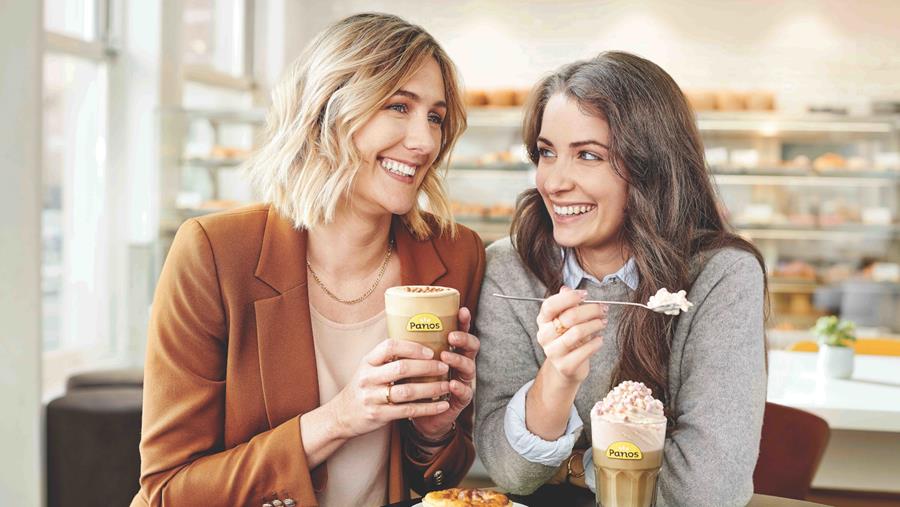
670 215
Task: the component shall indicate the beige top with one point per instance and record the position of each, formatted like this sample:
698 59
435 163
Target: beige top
358 470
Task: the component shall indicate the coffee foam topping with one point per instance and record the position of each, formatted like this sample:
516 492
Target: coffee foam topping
418 291
425 289
630 402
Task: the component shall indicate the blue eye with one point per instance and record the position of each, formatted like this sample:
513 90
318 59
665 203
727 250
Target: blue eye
586 155
545 153
436 119
400 108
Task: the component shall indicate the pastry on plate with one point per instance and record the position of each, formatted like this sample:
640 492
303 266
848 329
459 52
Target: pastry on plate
464 497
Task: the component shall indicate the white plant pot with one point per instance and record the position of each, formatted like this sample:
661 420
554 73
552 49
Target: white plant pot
835 362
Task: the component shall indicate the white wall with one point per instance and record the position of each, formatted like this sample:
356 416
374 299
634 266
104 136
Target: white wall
827 51
21 428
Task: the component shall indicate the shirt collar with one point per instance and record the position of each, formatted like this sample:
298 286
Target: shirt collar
573 273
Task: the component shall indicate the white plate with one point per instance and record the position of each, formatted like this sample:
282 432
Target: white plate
515 504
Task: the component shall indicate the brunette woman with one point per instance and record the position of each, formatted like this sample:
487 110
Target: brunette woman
623 206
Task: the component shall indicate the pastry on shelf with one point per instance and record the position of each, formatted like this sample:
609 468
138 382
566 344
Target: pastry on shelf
801 219
829 162
500 211
466 210
795 270
798 162
858 164
228 152
701 100
760 101
730 101
501 97
476 98
521 96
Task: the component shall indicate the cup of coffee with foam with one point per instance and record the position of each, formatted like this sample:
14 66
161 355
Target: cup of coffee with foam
425 314
628 431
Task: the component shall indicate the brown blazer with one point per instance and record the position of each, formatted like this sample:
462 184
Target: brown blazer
230 364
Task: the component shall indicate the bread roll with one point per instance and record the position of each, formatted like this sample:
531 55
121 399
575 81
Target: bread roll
476 98
502 97
730 101
761 101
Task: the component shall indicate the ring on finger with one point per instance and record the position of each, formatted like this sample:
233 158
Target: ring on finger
558 327
387 394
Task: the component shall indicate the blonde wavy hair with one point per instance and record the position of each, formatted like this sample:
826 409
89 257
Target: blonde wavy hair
308 160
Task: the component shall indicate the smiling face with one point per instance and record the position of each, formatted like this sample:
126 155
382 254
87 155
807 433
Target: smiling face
399 144
583 194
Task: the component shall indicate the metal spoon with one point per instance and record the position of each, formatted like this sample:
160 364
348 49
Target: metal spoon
659 309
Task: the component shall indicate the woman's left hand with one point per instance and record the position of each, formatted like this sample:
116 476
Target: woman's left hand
462 373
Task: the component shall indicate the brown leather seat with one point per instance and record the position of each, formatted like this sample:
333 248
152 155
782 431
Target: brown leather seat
93 434
793 442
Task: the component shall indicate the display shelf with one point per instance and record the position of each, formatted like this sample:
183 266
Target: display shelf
504 167
506 117
783 285
848 232
490 230
775 124
239 116
805 177
213 163
762 123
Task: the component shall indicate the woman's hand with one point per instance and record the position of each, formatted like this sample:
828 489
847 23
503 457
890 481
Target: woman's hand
462 364
569 333
370 400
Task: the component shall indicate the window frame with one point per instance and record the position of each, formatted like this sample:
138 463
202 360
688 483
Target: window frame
210 76
71 355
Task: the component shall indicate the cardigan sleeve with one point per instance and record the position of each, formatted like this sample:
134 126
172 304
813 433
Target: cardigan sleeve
505 364
711 454
183 459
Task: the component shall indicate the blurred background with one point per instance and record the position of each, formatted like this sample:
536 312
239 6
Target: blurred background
124 118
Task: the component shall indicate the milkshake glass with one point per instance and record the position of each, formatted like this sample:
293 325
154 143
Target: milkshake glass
628 431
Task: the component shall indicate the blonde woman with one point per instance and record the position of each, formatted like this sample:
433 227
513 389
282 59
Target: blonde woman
268 377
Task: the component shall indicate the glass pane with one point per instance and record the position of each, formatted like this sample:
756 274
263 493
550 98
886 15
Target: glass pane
216 145
71 17
214 34
74 188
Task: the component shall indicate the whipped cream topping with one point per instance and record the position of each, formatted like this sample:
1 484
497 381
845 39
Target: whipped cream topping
676 301
630 402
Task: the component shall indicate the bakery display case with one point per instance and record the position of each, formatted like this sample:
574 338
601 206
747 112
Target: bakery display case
817 194
201 161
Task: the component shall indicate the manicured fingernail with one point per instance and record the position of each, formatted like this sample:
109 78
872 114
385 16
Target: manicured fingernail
443 405
442 367
426 352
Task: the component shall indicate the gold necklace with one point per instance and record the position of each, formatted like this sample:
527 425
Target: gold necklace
381 270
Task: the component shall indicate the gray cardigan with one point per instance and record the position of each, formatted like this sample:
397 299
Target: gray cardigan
717 376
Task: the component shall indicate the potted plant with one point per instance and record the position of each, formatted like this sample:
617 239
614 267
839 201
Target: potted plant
836 339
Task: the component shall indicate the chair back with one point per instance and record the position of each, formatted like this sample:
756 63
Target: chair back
792 445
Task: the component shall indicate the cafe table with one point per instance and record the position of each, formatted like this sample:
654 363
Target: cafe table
863 412
566 496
